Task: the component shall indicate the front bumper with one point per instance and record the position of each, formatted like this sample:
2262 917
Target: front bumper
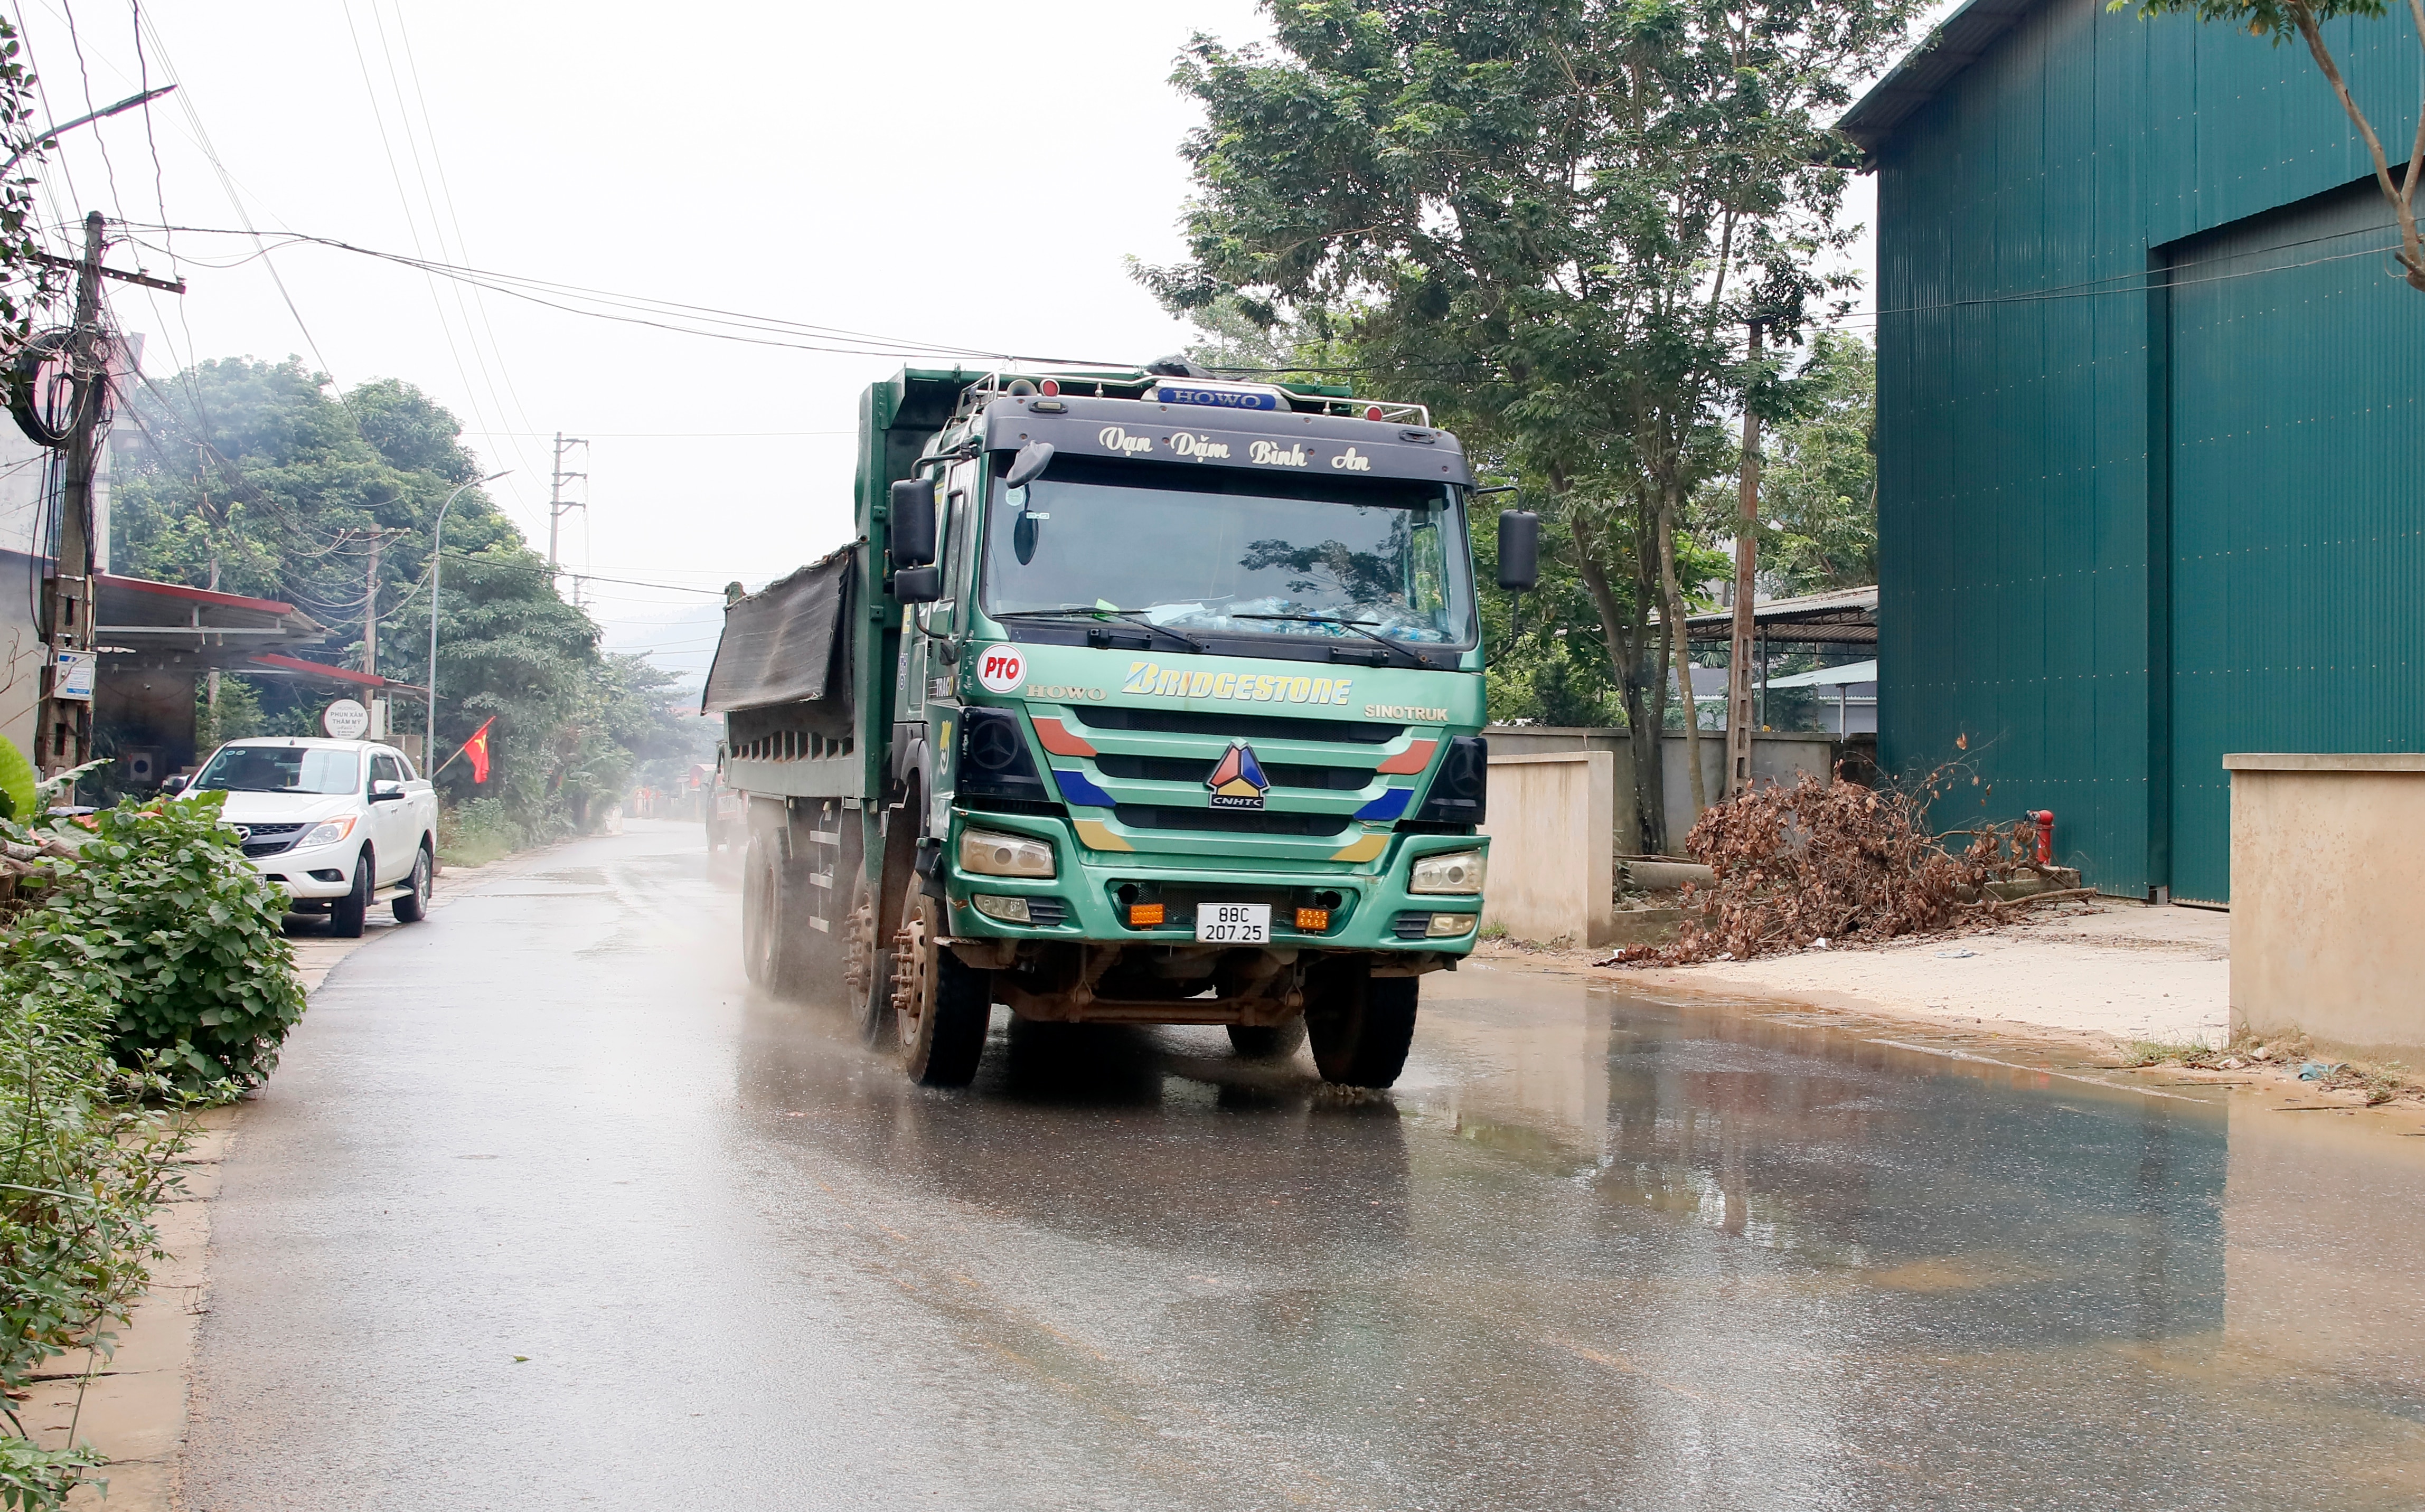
1368 901
295 870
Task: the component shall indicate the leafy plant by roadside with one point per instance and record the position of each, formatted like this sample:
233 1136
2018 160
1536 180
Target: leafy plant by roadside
87 1151
477 833
1836 862
159 916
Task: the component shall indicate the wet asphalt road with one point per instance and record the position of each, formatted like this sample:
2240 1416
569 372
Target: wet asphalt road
1592 1252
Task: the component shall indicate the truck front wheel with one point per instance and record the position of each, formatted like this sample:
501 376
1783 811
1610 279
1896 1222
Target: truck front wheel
1267 1042
1362 1026
942 1008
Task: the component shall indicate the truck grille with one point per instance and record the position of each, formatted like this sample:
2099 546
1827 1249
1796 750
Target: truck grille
1235 726
1228 820
1194 769
1411 926
1047 910
270 839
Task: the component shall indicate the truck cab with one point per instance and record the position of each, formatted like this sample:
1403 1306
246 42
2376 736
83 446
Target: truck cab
1164 698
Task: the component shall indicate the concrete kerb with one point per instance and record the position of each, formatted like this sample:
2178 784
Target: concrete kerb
133 1405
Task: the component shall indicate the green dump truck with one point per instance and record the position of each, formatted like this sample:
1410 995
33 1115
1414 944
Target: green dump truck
1141 696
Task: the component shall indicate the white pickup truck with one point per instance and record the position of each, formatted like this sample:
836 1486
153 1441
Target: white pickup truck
338 823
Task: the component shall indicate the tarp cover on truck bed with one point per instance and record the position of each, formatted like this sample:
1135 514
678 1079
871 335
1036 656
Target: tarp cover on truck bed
787 643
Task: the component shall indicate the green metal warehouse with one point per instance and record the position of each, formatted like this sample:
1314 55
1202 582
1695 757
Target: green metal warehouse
2151 420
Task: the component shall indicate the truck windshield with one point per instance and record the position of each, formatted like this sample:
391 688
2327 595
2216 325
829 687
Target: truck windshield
1232 551
281 769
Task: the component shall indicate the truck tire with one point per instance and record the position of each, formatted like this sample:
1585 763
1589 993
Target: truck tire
1362 1026
942 1008
866 998
1268 1041
774 951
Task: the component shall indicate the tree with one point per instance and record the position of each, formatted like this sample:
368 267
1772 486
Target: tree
1549 222
25 285
250 476
2276 20
1819 477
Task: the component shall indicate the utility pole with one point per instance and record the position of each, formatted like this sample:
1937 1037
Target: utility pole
65 732
370 608
1740 716
557 503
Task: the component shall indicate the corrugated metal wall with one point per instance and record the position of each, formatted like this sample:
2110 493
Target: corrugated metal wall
2298 490
2023 556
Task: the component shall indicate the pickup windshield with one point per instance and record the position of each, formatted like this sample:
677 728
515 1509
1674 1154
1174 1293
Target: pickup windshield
1233 553
282 769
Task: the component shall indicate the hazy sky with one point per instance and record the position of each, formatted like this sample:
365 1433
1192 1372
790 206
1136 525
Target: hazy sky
959 174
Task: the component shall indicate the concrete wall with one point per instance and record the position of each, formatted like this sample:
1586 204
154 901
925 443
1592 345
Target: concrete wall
1562 810
1551 864
1774 757
2325 883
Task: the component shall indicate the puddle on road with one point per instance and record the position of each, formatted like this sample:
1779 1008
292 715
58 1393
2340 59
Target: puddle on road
1599 1250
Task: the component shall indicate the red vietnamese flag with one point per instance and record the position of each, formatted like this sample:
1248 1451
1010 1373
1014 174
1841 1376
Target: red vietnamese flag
477 749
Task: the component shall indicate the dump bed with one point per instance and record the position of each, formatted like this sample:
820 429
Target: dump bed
782 679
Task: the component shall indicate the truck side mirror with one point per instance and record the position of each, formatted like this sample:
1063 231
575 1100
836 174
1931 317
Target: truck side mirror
913 519
918 585
1519 550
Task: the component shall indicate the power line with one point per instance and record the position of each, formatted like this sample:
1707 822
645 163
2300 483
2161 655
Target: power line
642 310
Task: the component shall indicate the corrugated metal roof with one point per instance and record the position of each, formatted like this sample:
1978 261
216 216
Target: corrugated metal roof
1955 45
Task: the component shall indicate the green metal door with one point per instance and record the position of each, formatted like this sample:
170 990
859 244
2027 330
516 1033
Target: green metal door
2297 504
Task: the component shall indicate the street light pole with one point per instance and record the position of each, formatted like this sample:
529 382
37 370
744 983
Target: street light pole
436 570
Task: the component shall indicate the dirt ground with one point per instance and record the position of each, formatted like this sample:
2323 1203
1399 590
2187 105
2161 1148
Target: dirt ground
2117 971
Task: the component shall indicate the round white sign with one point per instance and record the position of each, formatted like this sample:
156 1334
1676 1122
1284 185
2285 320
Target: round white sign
345 719
1000 669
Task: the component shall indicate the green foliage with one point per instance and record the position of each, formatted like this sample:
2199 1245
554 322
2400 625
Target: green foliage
1550 222
17 782
238 715
85 1153
161 916
1819 477
25 285
476 832
253 477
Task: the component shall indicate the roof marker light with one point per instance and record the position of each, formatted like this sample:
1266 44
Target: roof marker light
1048 387
1372 411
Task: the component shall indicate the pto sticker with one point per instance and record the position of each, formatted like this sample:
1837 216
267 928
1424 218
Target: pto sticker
1000 669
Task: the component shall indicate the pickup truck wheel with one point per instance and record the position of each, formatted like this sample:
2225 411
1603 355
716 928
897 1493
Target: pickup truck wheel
413 906
942 1008
346 914
1267 1042
1362 1026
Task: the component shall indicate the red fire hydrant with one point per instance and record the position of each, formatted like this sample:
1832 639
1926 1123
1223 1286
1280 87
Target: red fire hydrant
2046 836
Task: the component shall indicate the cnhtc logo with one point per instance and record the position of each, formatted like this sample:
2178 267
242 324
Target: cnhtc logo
1238 781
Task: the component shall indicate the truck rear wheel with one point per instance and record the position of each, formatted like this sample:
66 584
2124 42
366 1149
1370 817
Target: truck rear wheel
774 946
941 1008
870 1001
1267 1042
1362 1026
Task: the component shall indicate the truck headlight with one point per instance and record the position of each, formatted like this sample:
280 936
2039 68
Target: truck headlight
328 831
1459 871
992 854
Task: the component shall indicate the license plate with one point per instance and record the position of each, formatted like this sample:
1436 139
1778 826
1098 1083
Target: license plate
1234 923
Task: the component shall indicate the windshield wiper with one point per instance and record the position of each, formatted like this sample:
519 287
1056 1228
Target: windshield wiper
1413 657
1132 616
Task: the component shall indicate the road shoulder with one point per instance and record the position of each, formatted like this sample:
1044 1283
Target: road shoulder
134 1404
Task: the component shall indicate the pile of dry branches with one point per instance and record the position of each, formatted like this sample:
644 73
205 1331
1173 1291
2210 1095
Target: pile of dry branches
1833 862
